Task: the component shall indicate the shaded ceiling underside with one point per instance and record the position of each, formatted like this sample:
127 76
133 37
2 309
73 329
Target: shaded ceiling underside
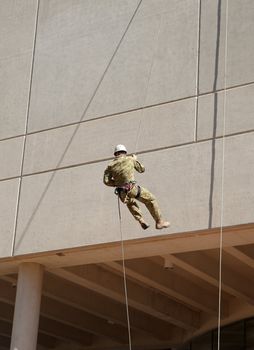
172 297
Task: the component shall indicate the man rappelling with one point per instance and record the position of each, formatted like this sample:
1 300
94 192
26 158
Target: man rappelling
120 174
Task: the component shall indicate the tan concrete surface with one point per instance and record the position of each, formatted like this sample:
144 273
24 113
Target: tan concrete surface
238 116
238 194
72 55
212 45
8 195
10 157
17 21
151 67
241 45
67 220
74 207
147 129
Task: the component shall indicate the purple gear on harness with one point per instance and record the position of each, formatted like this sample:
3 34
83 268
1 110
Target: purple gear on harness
127 187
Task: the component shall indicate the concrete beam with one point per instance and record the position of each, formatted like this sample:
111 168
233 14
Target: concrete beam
83 320
170 283
47 326
5 328
5 336
143 299
64 332
206 268
69 316
73 294
136 248
5 341
239 255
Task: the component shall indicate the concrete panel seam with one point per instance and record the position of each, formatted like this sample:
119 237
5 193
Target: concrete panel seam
26 128
128 111
140 152
197 72
82 116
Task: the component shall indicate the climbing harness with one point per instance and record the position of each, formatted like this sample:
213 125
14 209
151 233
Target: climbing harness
127 188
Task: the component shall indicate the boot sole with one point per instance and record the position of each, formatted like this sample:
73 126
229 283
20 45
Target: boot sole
144 226
161 227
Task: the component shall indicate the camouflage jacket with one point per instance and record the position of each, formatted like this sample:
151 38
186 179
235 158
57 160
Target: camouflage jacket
121 171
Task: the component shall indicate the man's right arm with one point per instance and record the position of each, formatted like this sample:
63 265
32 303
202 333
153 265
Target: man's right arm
107 179
137 165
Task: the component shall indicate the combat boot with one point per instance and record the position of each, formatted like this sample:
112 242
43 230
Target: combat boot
162 224
143 224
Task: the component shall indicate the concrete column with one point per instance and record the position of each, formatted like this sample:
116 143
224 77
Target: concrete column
27 307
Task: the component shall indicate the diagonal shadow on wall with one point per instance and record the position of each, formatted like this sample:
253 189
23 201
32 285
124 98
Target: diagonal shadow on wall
17 244
215 113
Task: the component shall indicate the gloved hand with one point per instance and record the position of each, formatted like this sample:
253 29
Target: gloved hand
134 156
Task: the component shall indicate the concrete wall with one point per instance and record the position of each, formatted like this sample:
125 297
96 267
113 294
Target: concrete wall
77 90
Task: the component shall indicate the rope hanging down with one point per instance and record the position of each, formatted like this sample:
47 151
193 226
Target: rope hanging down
222 178
223 172
124 274
119 208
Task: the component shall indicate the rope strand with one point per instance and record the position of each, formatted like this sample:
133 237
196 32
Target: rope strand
124 275
119 208
223 174
123 252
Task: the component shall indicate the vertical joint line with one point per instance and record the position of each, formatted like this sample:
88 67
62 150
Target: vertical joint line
197 72
26 129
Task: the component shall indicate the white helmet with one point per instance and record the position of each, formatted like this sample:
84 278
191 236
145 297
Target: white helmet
120 148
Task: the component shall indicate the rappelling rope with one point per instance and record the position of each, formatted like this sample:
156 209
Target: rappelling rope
222 180
124 274
119 208
223 173
122 248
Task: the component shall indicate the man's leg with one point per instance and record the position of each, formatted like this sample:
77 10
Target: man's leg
152 205
134 209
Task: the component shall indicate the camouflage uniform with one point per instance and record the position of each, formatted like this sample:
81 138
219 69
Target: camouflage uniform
120 174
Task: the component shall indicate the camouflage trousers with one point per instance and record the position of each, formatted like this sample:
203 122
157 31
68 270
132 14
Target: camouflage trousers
145 197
